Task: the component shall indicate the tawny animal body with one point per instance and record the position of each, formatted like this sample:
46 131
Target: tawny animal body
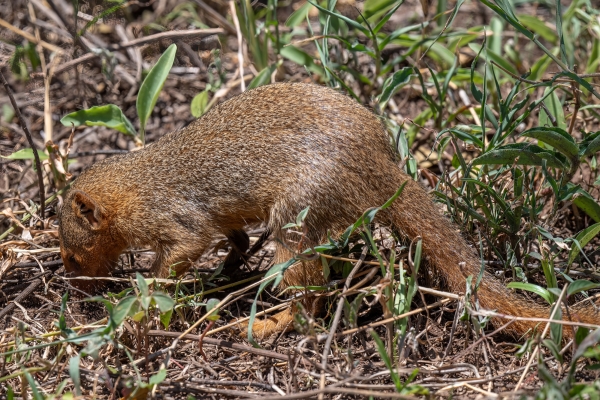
264 156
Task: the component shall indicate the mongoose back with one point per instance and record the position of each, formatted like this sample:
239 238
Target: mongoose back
264 156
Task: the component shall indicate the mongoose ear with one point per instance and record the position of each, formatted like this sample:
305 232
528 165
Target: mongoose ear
85 207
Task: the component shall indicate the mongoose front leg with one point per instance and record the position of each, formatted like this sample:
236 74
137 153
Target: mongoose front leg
178 256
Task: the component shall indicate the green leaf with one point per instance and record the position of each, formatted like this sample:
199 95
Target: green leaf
539 27
557 138
587 204
123 309
298 16
74 373
165 318
590 340
383 353
347 20
163 301
158 377
152 85
198 105
275 274
211 308
262 78
581 285
33 385
554 106
142 284
583 238
393 83
387 15
26 154
301 57
522 155
592 148
108 115
488 54
530 287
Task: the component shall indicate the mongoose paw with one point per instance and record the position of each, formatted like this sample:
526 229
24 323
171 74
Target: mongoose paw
266 327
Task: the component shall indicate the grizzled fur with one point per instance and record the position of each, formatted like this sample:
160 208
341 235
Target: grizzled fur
264 156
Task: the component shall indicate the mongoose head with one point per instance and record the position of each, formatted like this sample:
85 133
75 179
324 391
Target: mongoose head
87 245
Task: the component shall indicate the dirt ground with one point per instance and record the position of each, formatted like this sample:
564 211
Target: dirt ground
451 362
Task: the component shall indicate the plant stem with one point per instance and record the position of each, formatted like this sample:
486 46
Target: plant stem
36 156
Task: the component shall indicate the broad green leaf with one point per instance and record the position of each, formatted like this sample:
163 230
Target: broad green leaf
142 284
122 309
26 154
163 301
557 138
198 104
158 377
211 308
108 115
165 318
393 83
522 156
554 106
583 238
530 287
152 85
581 285
587 204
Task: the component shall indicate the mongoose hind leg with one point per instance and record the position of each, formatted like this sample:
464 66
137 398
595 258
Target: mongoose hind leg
300 275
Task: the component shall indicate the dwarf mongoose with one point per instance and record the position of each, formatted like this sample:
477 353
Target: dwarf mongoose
264 156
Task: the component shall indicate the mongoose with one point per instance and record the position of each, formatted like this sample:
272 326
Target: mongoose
264 156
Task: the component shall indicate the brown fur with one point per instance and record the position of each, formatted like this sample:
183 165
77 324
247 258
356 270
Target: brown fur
264 156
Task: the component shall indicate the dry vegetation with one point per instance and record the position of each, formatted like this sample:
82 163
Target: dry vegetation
427 79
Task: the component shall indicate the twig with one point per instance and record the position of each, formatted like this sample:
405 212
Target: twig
220 343
337 390
216 16
29 37
21 297
36 156
395 318
489 313
97 152
188 33
240 40
137 42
